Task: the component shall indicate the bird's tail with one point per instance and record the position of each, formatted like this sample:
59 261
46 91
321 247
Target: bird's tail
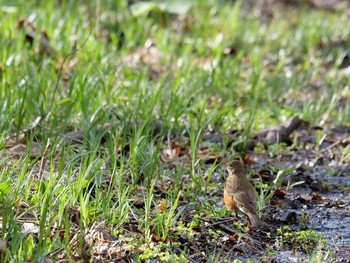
255 220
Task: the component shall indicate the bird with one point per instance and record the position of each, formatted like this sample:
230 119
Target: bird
239 193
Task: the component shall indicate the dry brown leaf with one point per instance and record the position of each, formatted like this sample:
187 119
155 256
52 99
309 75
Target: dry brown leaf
20 150
30 35
279 193
162 206
234 237
317 197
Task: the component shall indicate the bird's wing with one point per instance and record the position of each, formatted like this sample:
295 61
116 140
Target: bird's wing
244 199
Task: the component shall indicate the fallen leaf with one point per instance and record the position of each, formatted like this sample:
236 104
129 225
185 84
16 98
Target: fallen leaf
162 206
317 197
279 193
234 237
30 35
20 149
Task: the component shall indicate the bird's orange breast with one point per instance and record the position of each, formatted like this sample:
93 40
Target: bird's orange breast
229 201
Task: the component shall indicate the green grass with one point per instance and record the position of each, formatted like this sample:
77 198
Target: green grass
184 82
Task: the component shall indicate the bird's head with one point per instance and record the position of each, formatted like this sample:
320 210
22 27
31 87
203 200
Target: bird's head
235 167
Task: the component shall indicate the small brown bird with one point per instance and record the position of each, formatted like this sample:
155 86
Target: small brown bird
239 193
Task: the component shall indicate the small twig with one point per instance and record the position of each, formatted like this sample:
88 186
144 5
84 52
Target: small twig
43 159
215 223
339 141
221 222
227 229
54 252
335 244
